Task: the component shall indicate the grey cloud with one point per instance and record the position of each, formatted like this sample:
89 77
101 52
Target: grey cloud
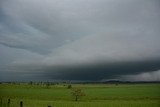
64 39
94 71
106 47
145 76
69 20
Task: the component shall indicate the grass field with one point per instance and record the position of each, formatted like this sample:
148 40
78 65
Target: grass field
96 95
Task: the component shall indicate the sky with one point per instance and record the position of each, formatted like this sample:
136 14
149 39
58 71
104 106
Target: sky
83 40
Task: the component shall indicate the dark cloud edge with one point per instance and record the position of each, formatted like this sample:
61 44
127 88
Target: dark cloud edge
100 71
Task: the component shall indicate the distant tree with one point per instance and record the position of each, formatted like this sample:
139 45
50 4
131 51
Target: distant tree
69 86
30 83
47 84
77 93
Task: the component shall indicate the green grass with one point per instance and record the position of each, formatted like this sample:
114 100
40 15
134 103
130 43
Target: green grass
97 95
116 103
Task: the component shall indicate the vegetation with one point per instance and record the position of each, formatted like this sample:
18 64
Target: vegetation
77 93
69 86
96 95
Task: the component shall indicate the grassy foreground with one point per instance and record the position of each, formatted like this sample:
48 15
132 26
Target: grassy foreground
97 95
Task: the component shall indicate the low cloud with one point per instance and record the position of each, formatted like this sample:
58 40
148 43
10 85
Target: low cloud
146 76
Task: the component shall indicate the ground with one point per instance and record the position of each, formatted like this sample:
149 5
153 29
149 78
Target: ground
96 95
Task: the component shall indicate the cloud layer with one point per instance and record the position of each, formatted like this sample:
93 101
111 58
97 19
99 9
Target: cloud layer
146 76
78 39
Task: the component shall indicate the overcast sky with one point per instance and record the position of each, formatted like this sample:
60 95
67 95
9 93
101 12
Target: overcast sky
79 40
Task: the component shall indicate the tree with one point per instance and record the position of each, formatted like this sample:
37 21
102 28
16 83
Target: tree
77 93
69 86
47 84
31 82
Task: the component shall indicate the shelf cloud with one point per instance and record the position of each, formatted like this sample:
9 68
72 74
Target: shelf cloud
79 40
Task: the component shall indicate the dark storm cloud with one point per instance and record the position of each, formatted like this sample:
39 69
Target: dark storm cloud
79 39
145 76
101 71
95 72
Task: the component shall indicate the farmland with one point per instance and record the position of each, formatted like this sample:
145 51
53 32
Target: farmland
96 95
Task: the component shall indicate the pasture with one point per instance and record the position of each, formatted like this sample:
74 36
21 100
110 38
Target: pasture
96 95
